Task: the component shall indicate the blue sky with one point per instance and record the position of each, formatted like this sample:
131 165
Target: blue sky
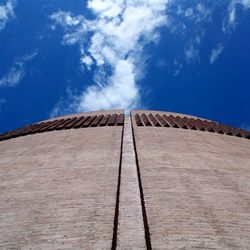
61 56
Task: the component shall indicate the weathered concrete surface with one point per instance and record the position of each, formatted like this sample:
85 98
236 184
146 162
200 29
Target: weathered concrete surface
130 223
58 189
196 188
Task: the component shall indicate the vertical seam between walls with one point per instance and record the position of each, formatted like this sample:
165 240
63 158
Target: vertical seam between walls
115 228
143 207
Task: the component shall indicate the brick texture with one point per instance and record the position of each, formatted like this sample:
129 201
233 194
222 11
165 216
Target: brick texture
58 189
196 187
70 183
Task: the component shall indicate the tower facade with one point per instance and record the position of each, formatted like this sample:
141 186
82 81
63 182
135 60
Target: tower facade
100 180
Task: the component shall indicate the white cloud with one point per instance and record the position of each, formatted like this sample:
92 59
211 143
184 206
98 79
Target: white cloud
215 53
63 107
115 39
189 22
192 54
204 13
13 77
231 20
113 42
198 13
177 67
17 72
75 27
7 13
120 92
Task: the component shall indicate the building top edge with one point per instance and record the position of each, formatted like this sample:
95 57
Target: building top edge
116 118
121 111
141 111
91 113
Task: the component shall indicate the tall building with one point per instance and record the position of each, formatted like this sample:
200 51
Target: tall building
100 180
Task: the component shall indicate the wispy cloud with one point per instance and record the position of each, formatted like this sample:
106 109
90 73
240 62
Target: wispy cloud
16 73
65 106
215 53
13 77
7 13
198 13
231 19
188 21
192 53
113 42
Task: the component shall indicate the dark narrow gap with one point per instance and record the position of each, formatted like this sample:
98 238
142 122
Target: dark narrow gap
144 214
115 228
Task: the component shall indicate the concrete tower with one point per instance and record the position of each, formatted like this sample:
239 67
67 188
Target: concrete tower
152 180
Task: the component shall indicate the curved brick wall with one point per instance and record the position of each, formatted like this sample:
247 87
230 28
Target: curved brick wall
154 118
58 182
100 180
195 182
